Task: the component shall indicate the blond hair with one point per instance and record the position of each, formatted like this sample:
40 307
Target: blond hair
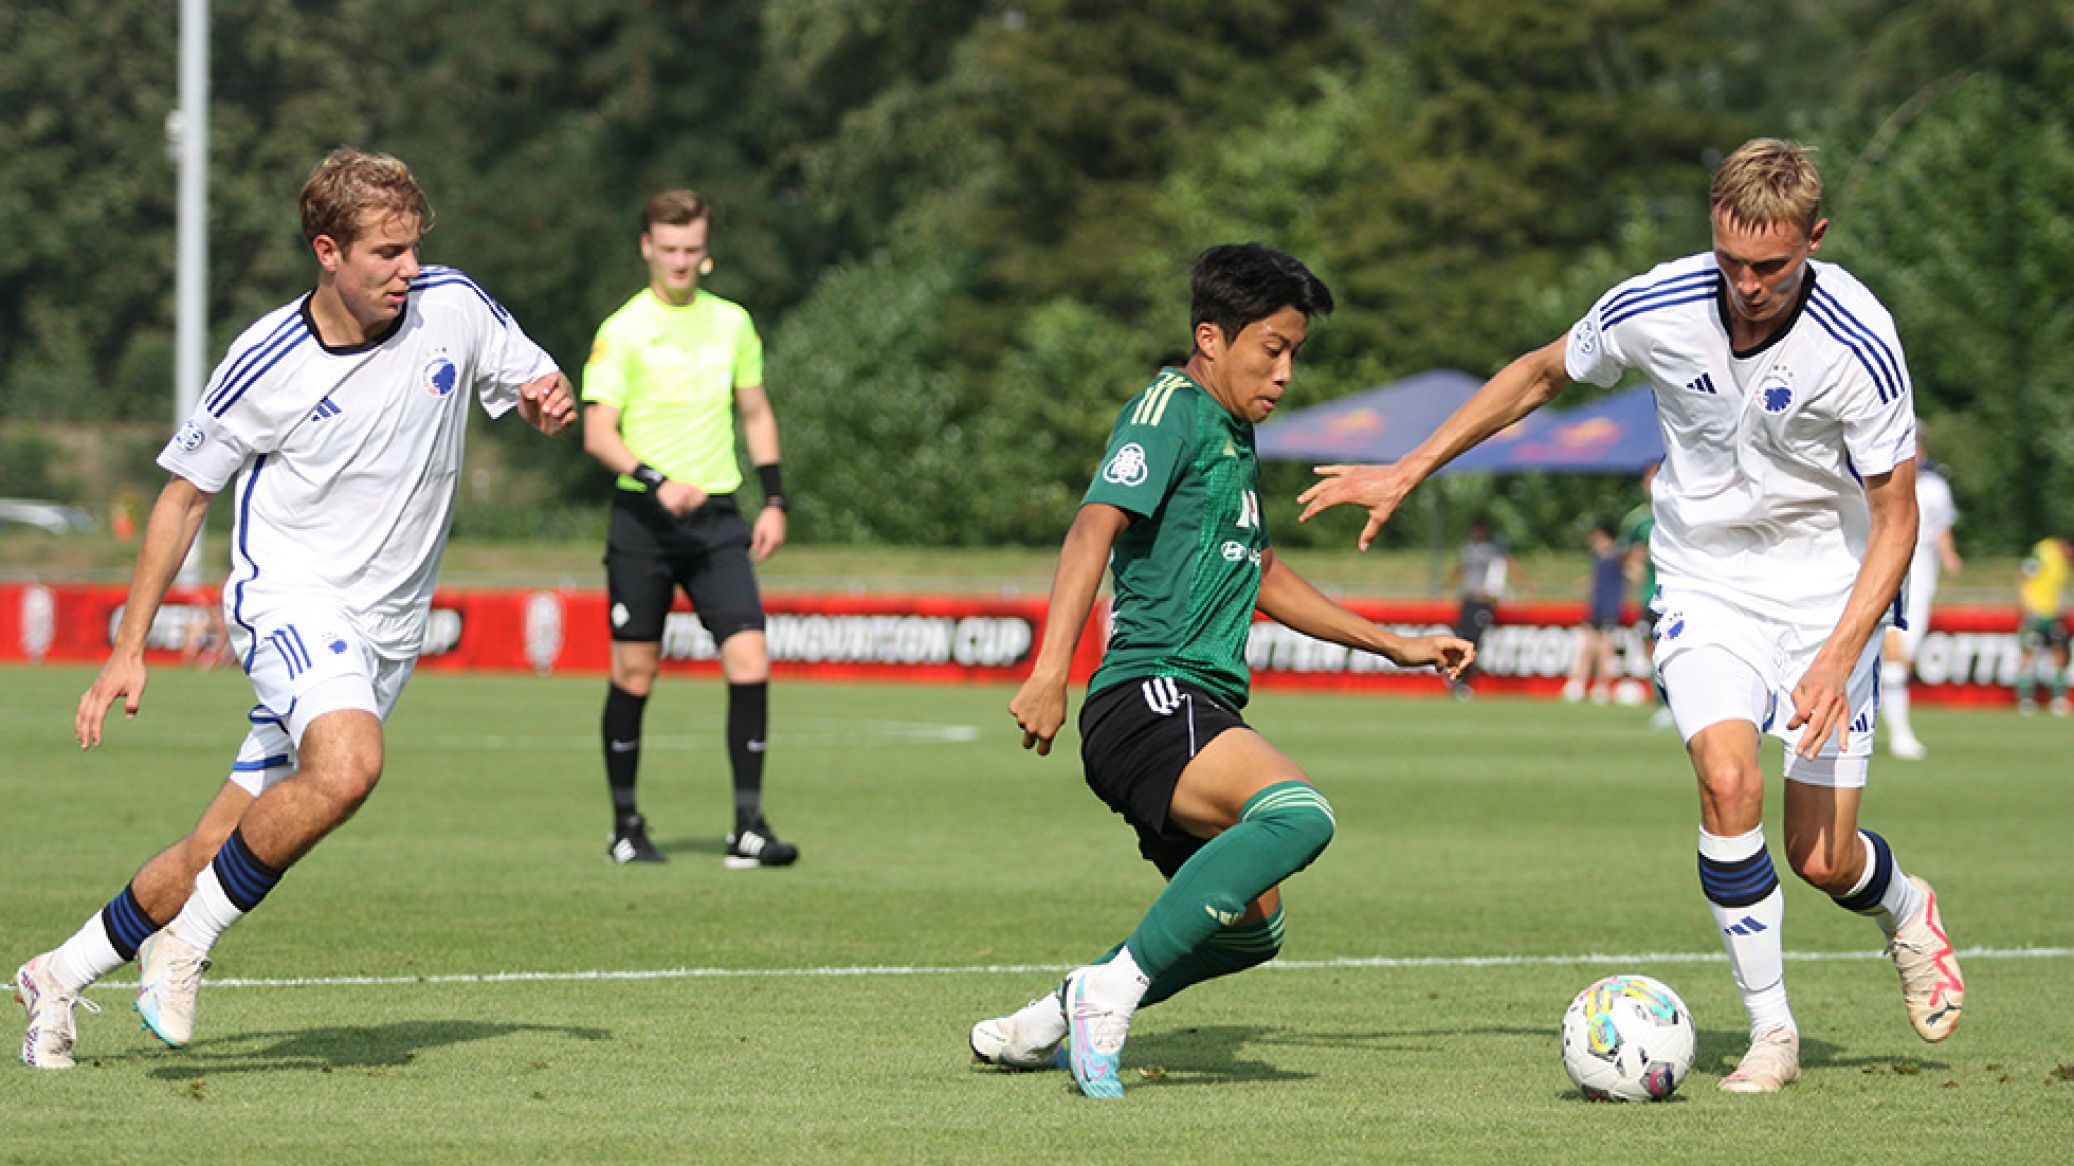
674 208
1766 181
348 182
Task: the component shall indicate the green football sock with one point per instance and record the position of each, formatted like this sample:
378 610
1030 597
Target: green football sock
1231 949
1280 830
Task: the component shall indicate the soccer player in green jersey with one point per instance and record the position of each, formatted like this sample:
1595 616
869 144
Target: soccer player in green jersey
1175 509
668 374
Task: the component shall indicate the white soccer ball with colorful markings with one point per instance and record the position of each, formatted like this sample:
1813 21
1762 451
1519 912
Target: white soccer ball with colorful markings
1628 1038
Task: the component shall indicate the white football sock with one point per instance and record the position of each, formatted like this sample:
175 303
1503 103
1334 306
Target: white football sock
1894 699
85 957
1751 933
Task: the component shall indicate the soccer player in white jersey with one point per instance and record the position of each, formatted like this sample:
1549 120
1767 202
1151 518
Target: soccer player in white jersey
1785 519
339 417
1935 552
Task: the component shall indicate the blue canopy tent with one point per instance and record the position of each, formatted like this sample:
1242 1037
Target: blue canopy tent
1374 425
1616 434
1612 435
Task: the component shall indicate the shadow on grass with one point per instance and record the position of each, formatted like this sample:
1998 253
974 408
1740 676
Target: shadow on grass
324 1049
1207 1055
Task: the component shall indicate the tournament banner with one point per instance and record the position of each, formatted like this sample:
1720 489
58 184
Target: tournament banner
1969 656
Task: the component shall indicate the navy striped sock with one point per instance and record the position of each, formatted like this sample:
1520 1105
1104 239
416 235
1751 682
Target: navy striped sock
1738 883
127 923
245 879
1866 900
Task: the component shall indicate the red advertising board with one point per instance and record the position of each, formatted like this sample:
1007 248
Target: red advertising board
1968 656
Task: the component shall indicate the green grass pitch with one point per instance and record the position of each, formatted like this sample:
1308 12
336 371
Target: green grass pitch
459 976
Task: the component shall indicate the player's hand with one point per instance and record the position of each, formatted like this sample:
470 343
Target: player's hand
1447 655
768 534
1379 488
547 404
1821 702
121 678
680 498
1040 708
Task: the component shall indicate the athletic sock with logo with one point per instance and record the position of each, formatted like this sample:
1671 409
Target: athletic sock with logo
622 730
1743 892
748 717
1280 831
109 940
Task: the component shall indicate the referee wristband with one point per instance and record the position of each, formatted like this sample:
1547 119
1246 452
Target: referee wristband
648 476
773 485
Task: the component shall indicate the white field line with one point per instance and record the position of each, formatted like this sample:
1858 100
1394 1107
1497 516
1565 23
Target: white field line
1642 959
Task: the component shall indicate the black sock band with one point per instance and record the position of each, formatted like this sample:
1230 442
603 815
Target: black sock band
127 923
622 732
748 716
1867 901
245 879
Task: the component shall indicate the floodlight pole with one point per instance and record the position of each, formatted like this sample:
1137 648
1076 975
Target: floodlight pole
189 128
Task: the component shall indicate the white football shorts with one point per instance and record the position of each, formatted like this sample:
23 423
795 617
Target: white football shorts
1720 662
306 662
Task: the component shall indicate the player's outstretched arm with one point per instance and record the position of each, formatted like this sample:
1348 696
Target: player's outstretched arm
1821 699
1519 388
1039 706
175 519
1290 600
548 404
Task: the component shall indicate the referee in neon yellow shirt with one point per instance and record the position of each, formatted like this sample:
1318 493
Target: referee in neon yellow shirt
667 374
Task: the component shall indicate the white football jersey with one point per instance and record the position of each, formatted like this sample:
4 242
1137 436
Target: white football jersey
346 459
1760 499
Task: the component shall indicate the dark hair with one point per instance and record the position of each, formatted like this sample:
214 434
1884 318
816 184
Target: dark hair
673 208
1236 284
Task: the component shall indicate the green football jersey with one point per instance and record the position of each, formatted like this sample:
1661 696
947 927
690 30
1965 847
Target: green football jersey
1187 569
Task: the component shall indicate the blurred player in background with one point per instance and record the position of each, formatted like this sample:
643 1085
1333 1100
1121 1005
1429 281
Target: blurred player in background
1935 551
1785 520
1483 573
340 418
669 373
1175 510
1633 537
1592 671
2043 634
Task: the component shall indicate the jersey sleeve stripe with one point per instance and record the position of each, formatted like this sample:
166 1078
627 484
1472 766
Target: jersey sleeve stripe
1844 319
1888 391
255 353
1666 287
243 544
1642 307
228 396
433 277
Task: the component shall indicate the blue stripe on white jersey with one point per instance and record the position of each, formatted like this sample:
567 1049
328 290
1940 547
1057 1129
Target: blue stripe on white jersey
243 546
1669 297
1678 283
1871 351
227 395
432 277
289 333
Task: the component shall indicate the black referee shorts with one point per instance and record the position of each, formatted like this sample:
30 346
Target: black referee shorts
649 553
1136 736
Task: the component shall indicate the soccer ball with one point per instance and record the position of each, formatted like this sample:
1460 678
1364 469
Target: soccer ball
1627 1038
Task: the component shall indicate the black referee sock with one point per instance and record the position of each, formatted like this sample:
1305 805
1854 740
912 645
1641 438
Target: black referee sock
748 716
622 731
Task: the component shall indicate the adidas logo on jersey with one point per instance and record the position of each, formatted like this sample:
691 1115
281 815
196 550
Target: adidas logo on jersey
325 409
1702 384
